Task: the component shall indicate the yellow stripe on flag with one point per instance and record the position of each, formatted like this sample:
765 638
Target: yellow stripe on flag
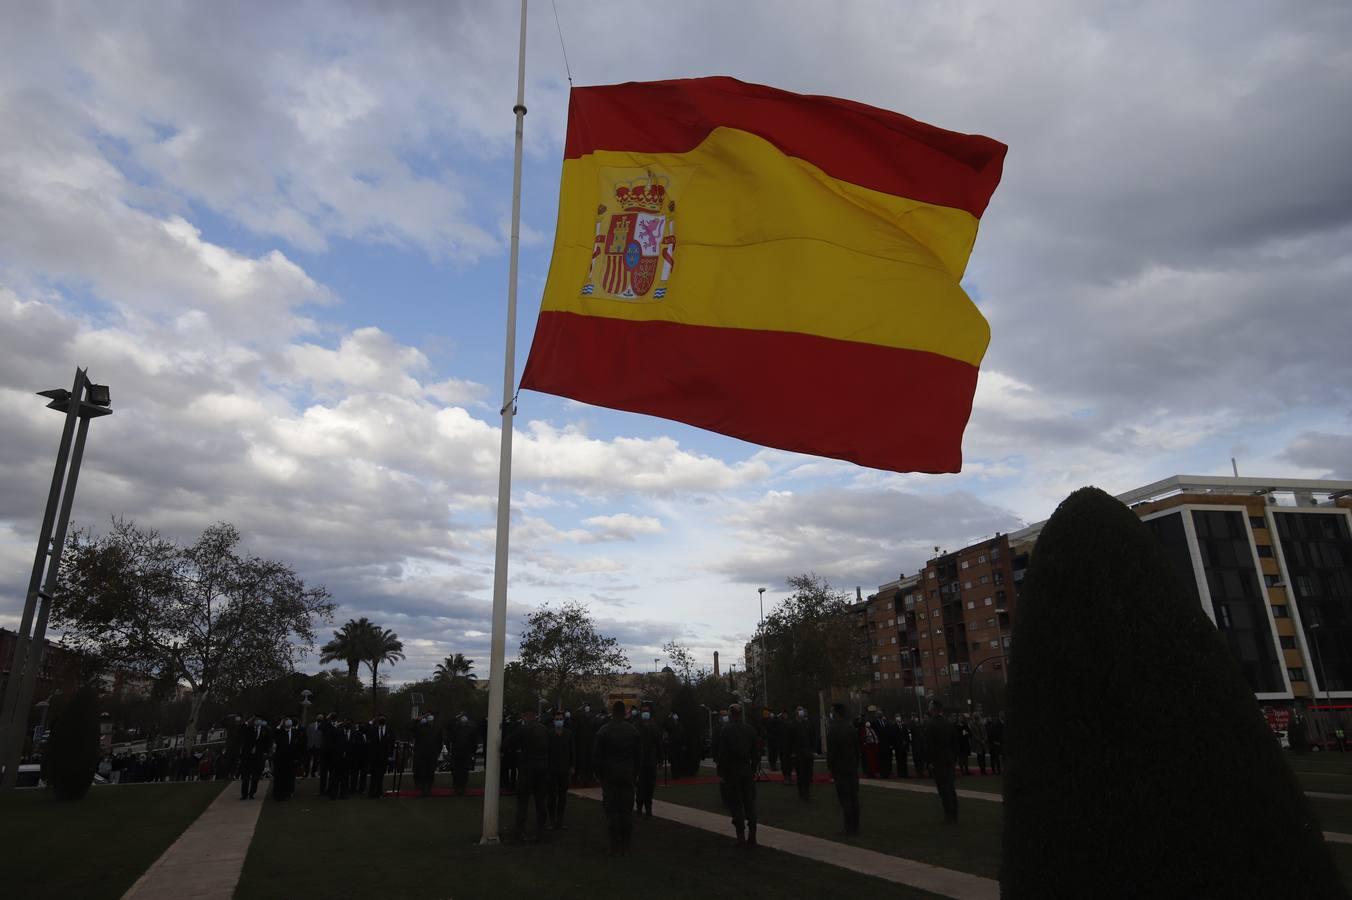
769 242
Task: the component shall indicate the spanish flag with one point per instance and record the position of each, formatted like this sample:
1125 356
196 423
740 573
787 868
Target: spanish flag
776 267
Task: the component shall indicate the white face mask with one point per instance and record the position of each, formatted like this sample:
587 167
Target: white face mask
647 716
725 718
802 714
558 724
288 723
586 709
675 718
464 719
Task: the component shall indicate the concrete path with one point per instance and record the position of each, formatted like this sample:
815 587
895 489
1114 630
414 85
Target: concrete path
205 862
1324 795
947 882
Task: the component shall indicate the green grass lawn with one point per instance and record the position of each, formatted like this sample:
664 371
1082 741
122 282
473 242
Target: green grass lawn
414 848
899 823
96 847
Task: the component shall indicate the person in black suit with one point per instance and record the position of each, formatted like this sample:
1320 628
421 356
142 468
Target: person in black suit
254 740
288 750
338 759
379 749
463 740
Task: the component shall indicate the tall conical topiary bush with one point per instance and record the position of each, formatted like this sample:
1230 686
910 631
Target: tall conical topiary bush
72 753
1139 763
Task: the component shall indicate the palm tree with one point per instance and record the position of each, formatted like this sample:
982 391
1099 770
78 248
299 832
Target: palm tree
452 667
349 645
383 646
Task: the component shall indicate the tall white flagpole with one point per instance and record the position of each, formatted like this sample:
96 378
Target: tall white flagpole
492 761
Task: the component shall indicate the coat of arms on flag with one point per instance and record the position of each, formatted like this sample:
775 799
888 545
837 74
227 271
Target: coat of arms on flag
634 251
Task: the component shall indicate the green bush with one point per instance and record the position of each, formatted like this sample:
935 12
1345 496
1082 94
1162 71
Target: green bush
72 753
1139 763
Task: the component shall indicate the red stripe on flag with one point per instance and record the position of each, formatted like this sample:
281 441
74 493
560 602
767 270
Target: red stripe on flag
902 410
864 145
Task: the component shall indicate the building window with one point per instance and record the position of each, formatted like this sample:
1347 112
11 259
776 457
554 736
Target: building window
877 676
1296 674
995 554
999 578
1272 580
975 646
990 622
941 651
924 654
894 638
889 605
1288 642
875 659
1223 615
971 604
933 575
985 579
1257 522
988 601
981 559
1265 551
1281 612
935 612
964 563
995 644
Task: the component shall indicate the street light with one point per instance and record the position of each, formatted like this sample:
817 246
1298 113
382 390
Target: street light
764 660
83 402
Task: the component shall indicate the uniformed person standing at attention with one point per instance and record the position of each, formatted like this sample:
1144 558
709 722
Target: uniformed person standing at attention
562 756
939 746
737 754
530 741
649 758
842 759
800 745
615 756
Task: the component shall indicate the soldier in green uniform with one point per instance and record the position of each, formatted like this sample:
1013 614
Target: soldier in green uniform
615 756
649 758
939 745
800 746
737 753
530 741
842 759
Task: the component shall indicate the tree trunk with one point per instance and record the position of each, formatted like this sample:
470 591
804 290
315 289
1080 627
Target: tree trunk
199 698
374 669
352 666
821 716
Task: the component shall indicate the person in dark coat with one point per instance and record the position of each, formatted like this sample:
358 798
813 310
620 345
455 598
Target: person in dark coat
530 742
785 750
774 738
903 746
995 739
379 750
426 751
939 743
736 758
918 749
288 752
507 752
562 758
800 748
584 735
340 780
842 760
255 738
463 740
962 734
615 756
649 758
887 743
358 758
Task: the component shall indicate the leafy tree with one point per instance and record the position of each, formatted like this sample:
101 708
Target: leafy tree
72 752
349 645
563 648
813 643
382 646
453 667
682 660
202 613
1140 763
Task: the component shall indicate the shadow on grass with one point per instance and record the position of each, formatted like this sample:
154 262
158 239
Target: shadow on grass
96 847
413 848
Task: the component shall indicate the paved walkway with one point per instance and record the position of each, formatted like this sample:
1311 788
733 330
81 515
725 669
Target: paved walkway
948 882
205 862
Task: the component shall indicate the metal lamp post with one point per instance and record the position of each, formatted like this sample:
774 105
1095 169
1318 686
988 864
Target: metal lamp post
83 402
764 660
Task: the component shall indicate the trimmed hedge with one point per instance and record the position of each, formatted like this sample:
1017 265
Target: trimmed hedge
1140 765
71 756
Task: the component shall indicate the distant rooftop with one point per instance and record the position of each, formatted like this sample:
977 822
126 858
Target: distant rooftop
1292 492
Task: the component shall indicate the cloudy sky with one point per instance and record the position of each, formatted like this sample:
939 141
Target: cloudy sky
278 231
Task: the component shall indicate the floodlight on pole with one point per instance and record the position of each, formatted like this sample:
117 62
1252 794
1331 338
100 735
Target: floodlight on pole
764 660
83 402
